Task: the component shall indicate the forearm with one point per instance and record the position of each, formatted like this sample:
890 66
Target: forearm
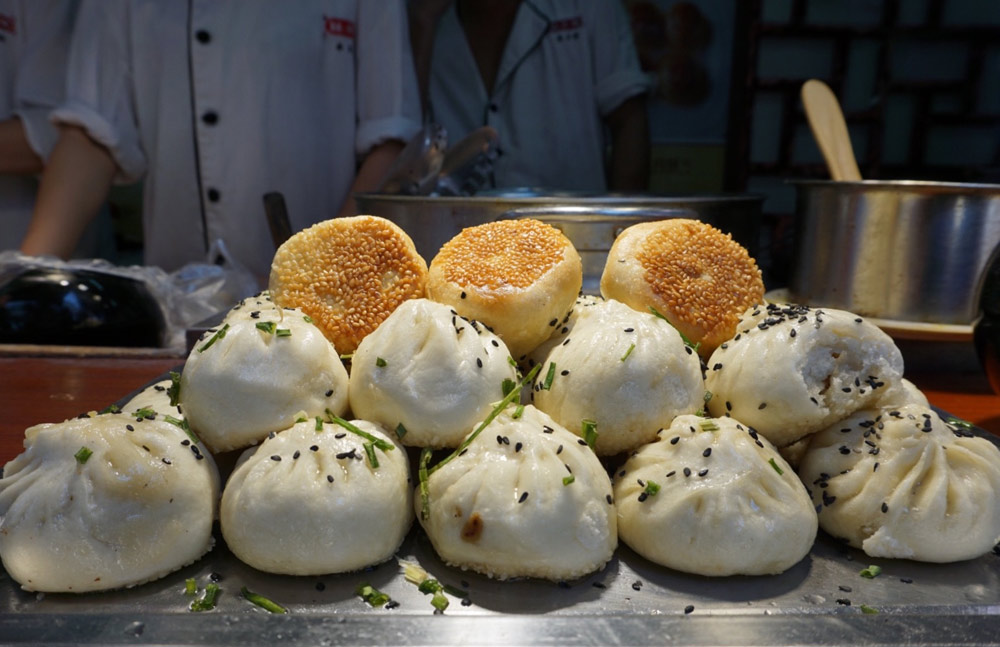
630 148
74 185
372 172
16 154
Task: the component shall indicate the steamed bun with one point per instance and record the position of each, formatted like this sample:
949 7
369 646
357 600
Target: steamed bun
308 502
792 370
431 371
526 499
155 397
628 371
712 497
903 483
255 374
105 502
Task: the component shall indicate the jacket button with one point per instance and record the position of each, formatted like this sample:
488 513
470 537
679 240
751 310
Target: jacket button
211 118
213 195
203 37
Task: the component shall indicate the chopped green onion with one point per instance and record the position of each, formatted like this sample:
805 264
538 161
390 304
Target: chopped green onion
370 453
145 412
508 385
174 390
518 412
439 601
510 360
775 466
400 431
871 572
347 357
707 397
684 338
307 319
380 362
82 455
590 432
185 427
371 595
190 586
207 601
413 573
111 408
283 332
422 474
958 422
628 352
319 424
384 445
262 602
219 334
708 425
551 375
510 397
652 488
568 479
266 326
868 611
428 585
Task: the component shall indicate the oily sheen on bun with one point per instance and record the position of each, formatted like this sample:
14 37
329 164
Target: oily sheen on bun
697 277
712 497
311 500
105 502
901 482
348 274
519 277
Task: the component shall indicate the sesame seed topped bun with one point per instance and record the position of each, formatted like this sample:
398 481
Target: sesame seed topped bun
697 277
520 277
348 275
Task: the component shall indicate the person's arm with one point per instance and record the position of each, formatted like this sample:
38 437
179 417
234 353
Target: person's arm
628 164
16 154
423 17
372 172
74 185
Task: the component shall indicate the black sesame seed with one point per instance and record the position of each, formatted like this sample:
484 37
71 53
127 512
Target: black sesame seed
707 452
342 434
462 296
466 602
547 429
906 580
671 473
523 497
495 343
845 589
687 471
703 472
130 427
185 442
675 440
166 461
329 478
844 601
844 450
329 392
275 457
553 323
637 585
609 499
296 454
581 441
518 447
688 609
314 448
762 405
559 451
885 507
564 372
643 496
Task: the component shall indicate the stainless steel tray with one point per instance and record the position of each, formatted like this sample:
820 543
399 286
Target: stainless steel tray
631 601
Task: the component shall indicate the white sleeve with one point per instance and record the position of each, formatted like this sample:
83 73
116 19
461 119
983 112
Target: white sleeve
40 82
388 100
616 64
99 85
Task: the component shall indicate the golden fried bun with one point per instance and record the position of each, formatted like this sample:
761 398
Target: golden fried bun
697 277
348 274
519 277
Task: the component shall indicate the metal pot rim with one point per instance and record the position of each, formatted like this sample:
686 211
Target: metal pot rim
544 198
915 186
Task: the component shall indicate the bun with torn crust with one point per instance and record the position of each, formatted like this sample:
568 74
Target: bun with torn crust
348 274
697 277
519 277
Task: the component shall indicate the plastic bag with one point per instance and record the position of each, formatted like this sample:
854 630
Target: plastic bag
186 297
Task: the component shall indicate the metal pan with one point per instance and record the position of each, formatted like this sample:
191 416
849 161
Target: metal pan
895 250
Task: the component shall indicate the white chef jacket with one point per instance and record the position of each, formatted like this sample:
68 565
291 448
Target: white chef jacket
34 39
566 65
216 103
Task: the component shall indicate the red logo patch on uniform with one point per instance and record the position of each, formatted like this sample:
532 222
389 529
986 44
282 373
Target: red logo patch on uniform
8 24
566 24
338 27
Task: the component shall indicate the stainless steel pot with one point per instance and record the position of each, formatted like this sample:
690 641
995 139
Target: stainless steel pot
433 221
897 250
